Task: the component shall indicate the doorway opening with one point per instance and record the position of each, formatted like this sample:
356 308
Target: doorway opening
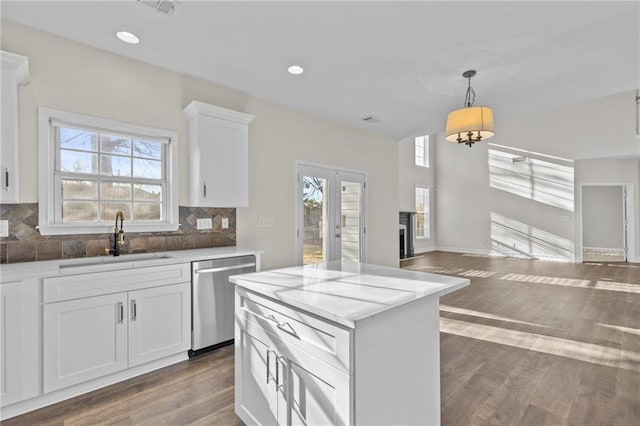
605 223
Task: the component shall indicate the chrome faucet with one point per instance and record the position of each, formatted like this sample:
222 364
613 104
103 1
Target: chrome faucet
118 236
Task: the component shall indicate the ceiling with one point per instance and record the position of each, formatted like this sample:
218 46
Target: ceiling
398 61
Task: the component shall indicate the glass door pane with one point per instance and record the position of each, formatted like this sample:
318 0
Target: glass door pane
350 220
315 223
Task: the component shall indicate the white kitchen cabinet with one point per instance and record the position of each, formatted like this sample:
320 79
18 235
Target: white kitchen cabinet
159 322
84 339
15 70
279 382
100 323
20 341
354 343
218 156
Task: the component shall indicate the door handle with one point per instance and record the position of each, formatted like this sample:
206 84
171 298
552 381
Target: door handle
120 308
134 310
223 268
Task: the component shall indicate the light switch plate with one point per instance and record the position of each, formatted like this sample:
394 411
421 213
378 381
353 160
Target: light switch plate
265 222
204 223
225 223
4 228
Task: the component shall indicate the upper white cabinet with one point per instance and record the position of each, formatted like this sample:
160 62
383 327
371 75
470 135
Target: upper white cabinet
15 70
218 155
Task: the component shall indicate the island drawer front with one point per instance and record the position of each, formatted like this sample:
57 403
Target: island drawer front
323 339
70 287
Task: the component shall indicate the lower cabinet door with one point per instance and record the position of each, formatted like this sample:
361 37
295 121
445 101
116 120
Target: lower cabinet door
20 341
318 393
256 391
84 339
159 322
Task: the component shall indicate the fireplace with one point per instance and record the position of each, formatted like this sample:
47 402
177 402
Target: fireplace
406 234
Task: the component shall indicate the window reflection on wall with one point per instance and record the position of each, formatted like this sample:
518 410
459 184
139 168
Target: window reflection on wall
539 177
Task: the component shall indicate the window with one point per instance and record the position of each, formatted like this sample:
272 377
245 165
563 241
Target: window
422 151
422 212
95 167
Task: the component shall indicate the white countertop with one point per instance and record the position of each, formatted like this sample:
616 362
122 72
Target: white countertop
347 292
52 268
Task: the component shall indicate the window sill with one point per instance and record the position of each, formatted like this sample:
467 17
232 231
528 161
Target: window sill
77 229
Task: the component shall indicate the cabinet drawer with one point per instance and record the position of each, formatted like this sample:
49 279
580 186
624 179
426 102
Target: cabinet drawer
326 341
97 283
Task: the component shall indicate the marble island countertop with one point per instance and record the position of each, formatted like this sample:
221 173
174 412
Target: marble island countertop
346 292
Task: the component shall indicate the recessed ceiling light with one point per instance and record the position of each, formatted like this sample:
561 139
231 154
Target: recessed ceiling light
127 37
295 69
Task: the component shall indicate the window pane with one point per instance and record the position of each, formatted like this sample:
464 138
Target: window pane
78 139
315 219
114 144
115 191
78 162
146 211
79 190
151 169
147 149
114 165
79 211
109 210
147 192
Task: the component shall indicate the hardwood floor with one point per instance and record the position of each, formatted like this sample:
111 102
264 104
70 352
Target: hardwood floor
529 342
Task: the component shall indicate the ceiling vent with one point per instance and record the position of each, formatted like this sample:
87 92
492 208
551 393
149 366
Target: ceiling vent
371 119
164 7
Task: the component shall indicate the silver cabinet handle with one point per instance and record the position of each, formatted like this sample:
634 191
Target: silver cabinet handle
120 308
134 310
268 364
223 268
204 189
6 178
286 327
281 384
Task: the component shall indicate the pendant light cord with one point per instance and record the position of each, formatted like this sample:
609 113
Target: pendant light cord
470 97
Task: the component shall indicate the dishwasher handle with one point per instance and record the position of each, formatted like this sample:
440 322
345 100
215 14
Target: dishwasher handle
223 268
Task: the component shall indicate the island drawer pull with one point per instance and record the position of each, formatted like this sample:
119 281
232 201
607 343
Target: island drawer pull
286 327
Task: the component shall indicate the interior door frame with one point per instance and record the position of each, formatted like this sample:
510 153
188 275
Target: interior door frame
333 198
628 210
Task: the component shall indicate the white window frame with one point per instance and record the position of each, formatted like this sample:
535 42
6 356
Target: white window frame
421 143
47 192
427 225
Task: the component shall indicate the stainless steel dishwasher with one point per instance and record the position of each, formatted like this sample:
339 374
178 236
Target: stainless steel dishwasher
212 313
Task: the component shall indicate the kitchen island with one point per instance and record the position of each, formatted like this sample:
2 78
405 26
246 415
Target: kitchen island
339 343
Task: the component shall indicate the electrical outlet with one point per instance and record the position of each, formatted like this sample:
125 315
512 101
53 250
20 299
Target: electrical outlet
204 223
225 223
265 222
4 228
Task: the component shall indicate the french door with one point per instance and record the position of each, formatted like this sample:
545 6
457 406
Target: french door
330 214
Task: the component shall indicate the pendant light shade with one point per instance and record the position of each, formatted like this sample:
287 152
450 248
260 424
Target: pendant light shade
470 124
473 122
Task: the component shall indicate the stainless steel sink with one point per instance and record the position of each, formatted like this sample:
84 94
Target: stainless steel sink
132 258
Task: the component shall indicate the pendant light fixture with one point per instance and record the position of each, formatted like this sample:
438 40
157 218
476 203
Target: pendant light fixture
469 124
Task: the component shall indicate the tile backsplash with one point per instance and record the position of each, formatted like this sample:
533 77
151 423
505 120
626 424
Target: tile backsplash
25 244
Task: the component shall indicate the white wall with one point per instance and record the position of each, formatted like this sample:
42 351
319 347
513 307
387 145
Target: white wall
410 176
470 212
71 76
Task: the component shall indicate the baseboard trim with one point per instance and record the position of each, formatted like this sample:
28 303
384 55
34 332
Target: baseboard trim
463 250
